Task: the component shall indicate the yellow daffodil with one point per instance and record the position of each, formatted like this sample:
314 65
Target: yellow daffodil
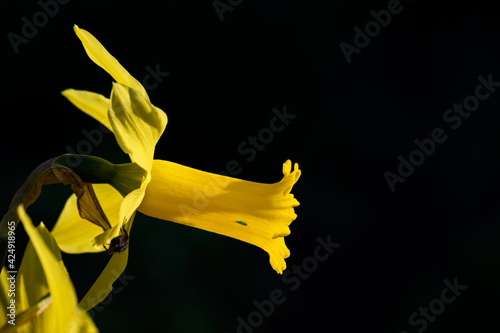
41 297
255 213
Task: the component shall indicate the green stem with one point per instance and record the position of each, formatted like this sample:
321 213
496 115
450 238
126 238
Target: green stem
123 177
83 171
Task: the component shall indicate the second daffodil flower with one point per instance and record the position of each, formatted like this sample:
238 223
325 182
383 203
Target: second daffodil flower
255 213
42 297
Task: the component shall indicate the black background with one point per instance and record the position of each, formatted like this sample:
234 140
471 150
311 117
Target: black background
352 122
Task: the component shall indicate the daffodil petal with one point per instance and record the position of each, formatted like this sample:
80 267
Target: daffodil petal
76 235
255 213
29 292
137 124
104 283
33 317
101 57
127 209
65 315
93 104
4 300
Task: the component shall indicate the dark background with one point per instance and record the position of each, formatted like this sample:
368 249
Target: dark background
353 121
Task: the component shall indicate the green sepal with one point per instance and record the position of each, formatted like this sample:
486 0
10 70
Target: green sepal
123 177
